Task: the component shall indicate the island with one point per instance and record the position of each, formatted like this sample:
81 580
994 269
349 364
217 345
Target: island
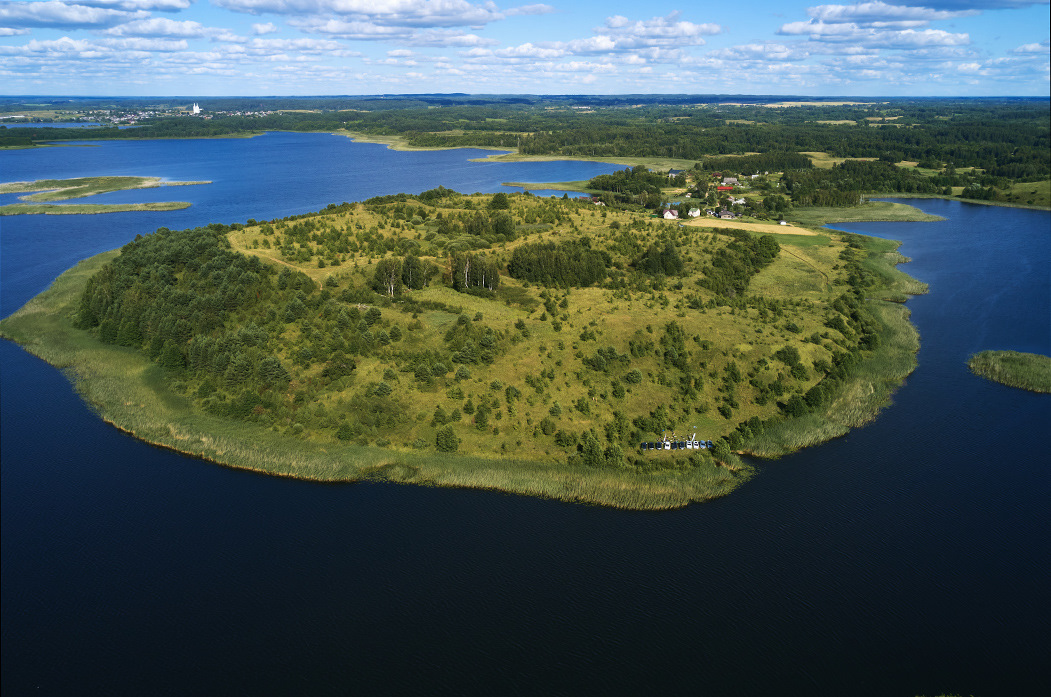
557 348
43 193
1026 371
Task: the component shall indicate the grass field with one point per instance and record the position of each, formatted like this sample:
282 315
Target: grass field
1031 193
868 211
579 186
823 160
1027 371
756 227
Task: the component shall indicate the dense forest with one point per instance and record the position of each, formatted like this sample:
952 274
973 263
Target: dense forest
844 183
1007 138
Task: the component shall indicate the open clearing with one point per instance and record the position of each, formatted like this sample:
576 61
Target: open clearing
758 228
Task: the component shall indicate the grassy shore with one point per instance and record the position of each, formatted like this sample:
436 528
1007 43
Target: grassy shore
578 186
1028 371
396 142
127 391
870 211
869 388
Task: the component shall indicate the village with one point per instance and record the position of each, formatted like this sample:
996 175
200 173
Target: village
717 196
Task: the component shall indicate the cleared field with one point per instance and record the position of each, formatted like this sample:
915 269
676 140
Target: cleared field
578 186
754 227
823 160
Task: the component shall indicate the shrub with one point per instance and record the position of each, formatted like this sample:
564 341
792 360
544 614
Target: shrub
446 440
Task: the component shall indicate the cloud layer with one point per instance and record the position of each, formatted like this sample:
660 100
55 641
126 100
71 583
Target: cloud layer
348 46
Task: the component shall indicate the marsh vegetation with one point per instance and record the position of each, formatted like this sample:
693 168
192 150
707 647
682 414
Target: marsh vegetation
1027 371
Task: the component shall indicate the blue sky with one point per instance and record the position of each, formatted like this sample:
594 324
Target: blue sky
298 47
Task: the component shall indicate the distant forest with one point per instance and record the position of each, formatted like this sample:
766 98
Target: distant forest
1006 138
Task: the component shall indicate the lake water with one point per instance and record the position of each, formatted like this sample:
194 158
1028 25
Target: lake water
909 557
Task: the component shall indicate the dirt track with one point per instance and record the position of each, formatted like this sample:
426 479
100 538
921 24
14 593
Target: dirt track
766 228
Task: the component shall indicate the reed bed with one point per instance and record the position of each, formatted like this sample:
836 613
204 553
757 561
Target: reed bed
1027 371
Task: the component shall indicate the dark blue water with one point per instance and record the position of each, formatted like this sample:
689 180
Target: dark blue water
910 557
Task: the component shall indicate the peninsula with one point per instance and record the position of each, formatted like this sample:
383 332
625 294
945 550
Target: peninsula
491 341
42 195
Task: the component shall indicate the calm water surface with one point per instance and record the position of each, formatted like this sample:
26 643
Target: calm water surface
907 558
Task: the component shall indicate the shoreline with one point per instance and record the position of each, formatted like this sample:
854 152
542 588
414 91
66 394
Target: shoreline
980 202
503 154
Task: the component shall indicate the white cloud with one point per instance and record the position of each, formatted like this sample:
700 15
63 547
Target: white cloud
910 38
620 40
162 26
267 28
64 46
538 9
529 51
142 44
760 52
1043 47
62 15
132 5
659 31
874 37
978 4
271 47
404 13
445 38
881 13
11 31
357 30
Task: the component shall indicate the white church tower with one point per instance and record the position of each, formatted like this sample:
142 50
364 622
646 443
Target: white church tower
196 109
